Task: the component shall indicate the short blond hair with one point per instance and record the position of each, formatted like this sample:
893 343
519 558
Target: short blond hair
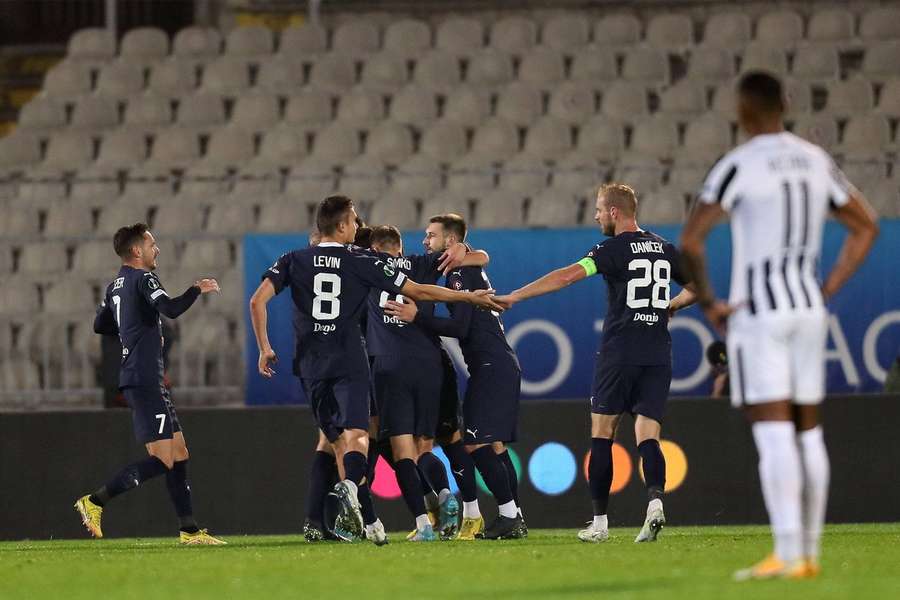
621 196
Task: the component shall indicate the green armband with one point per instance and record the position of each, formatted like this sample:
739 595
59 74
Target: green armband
589 266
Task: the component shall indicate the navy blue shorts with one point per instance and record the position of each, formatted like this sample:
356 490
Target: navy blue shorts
407 393
339 403
152 413
448 411
491 404
635 389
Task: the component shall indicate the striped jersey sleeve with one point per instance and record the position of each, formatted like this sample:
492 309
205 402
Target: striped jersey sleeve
719 186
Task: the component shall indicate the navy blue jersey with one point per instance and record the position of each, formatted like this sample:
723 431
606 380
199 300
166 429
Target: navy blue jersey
131 301
389 335
483 336
329 285
638 267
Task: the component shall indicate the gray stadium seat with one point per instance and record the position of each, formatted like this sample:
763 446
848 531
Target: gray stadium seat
765 56
407 38
438 70
177 219
301 41
448 202
203 181
356 37
884 195
672 31
203 110
120 79
253 42
19 374
500 208
255 112
866 136
197 44
490 69
283 216
69 296
311 181
661 207
42 260
683 100
524 174
880 23
565 32
41 114
575 173
309 110
602 138
831 26
542 67
819 129
849 97
548 137
520 103
6 264
496 139
95 113
92 46
881 61
514 34
816 64
364 179
864 169
420 176
391 142
334 73
889 100
226 218
67 80
283 146
552 209
19 295
593 64
617 30
19 149
460 36
232 146
112 217
724 100
467 105
206 256
707 137
95 258
414 106
175 146
18 222
625 100
573 102
148 182
148 111
782 29
646 65
444 141
361 107
799 97
384 73
727 29
43 185
643 173
471 175
69 150
173 78
394 210
145 45
258 181
227 75
655 136
688 174
95 185
711 65
280 76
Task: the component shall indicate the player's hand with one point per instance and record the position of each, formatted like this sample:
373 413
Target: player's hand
266 358
506 300
717 314
207 285
484 299
405 311
452 258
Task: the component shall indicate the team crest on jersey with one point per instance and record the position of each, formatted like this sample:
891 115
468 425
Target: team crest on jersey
457 285
152 283
388 270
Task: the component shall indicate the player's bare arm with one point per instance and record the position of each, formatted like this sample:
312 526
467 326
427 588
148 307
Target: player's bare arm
685 298
693 255
259 319
459 255
436 293
861 221
207 286
551 282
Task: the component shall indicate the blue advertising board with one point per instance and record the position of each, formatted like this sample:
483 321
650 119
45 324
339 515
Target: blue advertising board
556 336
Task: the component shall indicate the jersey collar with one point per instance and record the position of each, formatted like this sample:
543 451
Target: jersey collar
330 245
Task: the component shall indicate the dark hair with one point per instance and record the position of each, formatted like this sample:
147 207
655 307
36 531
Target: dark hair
763 90
331 212
385 234
363 237
127 238
452 223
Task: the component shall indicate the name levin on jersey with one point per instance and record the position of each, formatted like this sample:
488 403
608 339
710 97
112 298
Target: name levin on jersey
328 262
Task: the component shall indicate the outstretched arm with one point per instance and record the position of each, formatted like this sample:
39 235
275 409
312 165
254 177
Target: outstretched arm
551 282
435 293
457 326
259 319
460 255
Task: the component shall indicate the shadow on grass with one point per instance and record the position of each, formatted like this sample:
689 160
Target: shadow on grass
617 587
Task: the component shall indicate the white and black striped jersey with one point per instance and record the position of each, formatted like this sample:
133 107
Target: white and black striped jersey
778 189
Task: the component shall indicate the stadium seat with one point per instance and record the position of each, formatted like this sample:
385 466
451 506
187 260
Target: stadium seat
283 146
178 219
391 142
780 29
175 146
258 181
548 137
602 138
19 295
889 100
617 30
884 195
120 80
144 45
490 69
301 41
19 374
43 185
864 169
646 65
19 222
251 42
418 177
148 112
283 216
95 113
112 216
816 64
565 32
206 256
467 106
707 138
203 182
311 181
520 103
655 136
524 174
69 296
727 29
593 64
724 100
407 38
173 78
43 260
310 110
148 182
361 107
438 71
334 73
6 264
764 56
231 146
880 23
670 31
67 80
42 113
460 36
575 173
711 65
255 112
542 67
799 97
514 34
573 102
688 174
356 37
202 110
69 150
880 62
496 139
197 45
832 26
228 218
444 141
643 173
228 76
550 209
95 258
500 208
625 100
384 73
91 46
849 97
819 129
414 106
395 210
866 136
684 100
95 185
364 179
19 149
664 206
280 76
448 202
471 175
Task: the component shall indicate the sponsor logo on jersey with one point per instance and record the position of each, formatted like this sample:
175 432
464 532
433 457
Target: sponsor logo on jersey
324 329
119 283
648 318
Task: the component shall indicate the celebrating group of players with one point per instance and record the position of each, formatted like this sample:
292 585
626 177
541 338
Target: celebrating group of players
371 362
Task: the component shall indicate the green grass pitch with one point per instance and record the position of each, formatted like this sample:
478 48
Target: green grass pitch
861 561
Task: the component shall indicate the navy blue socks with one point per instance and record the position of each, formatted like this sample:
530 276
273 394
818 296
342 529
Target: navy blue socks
600 470
463 467
654 468
129 478
408 478
494 473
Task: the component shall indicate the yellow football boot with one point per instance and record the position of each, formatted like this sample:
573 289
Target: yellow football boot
90 515
808 568
772 567
432 518
470 529
200 538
